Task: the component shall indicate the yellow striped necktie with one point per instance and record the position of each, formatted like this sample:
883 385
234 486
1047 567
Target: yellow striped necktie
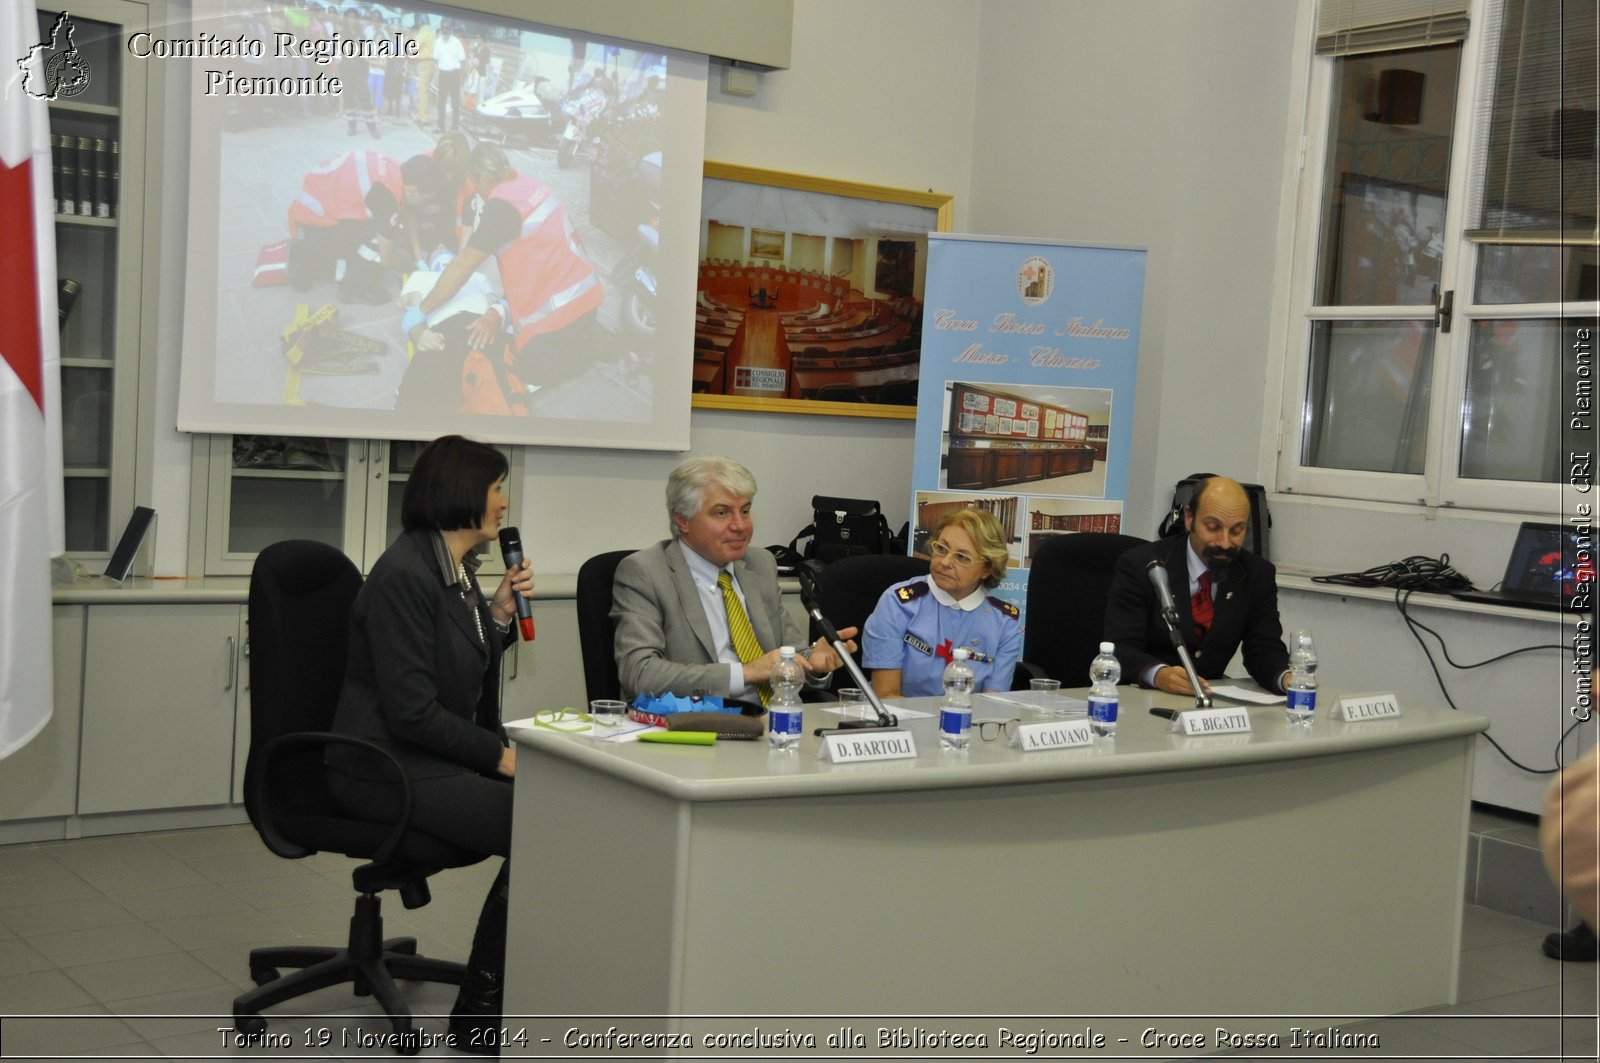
745 643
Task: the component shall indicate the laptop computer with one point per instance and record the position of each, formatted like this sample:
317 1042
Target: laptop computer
1542 571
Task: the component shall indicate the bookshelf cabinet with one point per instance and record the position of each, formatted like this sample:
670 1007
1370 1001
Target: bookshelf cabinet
107 343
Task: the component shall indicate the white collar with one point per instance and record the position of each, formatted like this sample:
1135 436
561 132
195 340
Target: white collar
1197 567
700 568
967 604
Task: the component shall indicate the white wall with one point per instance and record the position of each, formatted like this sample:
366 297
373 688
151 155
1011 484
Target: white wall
1159 125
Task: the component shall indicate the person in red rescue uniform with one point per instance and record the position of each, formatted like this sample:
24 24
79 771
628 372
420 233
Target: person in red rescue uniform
552 289
352 209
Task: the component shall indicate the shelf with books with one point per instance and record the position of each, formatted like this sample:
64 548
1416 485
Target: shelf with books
100 127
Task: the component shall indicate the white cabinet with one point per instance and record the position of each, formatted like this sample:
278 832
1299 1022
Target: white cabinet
41 778
160 691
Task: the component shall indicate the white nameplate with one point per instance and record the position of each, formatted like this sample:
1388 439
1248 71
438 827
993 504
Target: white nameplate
868 745
1052 734
1234 720
1369 707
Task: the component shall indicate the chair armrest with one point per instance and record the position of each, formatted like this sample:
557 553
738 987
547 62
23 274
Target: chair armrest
282 747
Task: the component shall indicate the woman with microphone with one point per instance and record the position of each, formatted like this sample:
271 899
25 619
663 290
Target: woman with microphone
423 681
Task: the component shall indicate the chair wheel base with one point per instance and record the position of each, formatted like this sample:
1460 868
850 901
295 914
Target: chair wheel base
252 1026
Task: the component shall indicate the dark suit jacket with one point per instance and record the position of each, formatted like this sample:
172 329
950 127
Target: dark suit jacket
1245 613
419 681
663 641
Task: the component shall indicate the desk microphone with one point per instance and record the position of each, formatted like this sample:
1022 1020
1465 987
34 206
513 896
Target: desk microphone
808 594
511 554
1157 572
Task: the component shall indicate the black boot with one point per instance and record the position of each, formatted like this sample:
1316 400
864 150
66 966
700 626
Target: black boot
1577 945
475 1019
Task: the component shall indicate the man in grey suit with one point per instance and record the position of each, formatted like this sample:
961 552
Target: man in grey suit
675 622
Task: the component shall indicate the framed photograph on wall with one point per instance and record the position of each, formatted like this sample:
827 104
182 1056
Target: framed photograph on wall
809 297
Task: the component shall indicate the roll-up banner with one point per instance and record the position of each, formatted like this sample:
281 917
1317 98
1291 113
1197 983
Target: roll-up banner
1025 409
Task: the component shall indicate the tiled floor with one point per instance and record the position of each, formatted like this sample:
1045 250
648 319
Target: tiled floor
135 945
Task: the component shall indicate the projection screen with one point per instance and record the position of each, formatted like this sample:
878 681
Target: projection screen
516 264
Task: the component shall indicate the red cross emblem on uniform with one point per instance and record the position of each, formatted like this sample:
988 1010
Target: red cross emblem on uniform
944 651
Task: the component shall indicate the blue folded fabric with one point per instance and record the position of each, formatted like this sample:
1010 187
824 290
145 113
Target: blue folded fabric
668 704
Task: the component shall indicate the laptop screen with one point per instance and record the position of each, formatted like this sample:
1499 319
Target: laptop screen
1545 561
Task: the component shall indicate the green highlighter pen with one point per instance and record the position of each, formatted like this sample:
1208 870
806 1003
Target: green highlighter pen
681 738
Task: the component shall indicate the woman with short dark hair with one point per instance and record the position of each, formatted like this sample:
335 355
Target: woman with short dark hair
423 681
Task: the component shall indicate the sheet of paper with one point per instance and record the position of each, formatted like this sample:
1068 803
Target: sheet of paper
864 712
1252 695
625 732
1039 702
906 713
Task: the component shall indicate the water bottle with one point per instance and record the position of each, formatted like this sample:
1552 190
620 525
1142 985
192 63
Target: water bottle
1302 679
955 714
1104 674
783 711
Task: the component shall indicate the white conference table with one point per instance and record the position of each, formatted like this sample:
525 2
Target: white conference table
1288 871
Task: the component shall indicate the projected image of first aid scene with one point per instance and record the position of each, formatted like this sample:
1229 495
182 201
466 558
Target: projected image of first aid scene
466 236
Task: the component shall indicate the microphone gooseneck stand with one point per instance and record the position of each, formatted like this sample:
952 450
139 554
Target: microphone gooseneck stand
1169 616
808 594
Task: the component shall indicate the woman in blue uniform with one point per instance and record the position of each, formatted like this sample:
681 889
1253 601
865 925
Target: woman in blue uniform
916 624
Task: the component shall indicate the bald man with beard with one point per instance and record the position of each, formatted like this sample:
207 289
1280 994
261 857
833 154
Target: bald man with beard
1210 559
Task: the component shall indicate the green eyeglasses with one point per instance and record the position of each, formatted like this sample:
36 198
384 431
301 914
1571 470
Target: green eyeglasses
568 721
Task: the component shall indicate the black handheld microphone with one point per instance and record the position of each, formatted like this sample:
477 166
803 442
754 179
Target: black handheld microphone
511 554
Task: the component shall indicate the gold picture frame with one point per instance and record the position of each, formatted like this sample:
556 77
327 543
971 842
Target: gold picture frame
827 273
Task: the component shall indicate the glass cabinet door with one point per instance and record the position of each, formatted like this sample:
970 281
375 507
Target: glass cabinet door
258 490
263 489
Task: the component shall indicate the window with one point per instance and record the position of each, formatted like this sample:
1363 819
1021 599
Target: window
1447 263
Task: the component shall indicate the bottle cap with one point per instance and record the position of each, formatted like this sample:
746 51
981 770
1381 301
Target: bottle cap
1107 647
785 651
961 653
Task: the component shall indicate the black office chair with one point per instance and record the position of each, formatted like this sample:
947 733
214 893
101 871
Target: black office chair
299 615
1068 583
596 633
848 590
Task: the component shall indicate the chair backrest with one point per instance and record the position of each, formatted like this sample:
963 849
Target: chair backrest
596 634
1068 582
848 590
299 617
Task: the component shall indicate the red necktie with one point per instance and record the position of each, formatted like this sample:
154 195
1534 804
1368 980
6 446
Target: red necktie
1200 609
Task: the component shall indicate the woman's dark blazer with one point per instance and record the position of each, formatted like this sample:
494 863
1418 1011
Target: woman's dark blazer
418 680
